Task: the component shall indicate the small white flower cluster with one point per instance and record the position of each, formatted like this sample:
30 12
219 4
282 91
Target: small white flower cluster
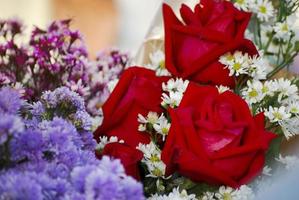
159 123
262 8
238 63
78 87
290 162
157 63
174 91
283 94
256 91
267 170
152 160
224 193
176 194
104 141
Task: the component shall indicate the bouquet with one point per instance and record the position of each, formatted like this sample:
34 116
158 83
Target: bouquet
202 118
206 117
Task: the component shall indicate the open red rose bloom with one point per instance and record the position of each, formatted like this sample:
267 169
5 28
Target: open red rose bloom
213 136
193 47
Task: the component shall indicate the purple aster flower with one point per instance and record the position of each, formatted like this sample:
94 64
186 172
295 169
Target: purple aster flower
27 145
64 98
132 189
113 166
10 101
37 109
58 134
82 120
106 180
88 142
79 175
19 186
9 125
100 185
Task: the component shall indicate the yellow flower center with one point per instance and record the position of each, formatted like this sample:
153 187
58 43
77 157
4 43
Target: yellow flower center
285 28
253 93
157 172
294 110
240 2
265 89
162 64
230 57
227 196
263 9
277 115
155 158
165 130
237 66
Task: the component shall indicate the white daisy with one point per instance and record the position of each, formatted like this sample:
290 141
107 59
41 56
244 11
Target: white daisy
242 5
222 89
152 159
275 114
293 107
253 93
228 193
157 63
236 63
282 30
173 99
225 193
259 68
104 141
176 194
264 9
151 118
175 85
286 89
290 127
162 127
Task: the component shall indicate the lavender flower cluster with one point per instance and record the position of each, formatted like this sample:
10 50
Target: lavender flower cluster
56 57
47 152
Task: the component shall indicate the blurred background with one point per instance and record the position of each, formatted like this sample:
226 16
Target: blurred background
103 23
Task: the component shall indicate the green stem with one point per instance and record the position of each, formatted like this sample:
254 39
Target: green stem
281 66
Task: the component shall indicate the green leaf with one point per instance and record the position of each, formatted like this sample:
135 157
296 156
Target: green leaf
274 149
296 47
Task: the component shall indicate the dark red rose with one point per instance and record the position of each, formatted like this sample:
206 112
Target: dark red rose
214 138
193 47
128 156
138 91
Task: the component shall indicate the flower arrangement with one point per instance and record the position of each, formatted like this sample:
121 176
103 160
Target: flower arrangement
206 120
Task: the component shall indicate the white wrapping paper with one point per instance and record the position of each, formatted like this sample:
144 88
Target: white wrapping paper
154 39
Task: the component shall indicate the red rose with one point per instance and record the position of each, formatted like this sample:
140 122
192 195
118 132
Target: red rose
138 91
193 48
214 138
